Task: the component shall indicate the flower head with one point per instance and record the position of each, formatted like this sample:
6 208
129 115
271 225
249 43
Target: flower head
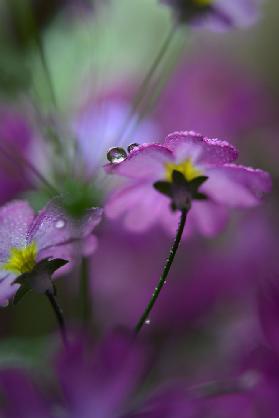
215 14
29 244
204 167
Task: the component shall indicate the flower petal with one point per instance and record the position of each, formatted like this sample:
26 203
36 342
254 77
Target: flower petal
212 151
236 185
7 287
53 227
138 204
144 162
15 220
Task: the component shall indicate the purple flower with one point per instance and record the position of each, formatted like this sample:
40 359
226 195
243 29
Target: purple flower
97 131
227 186
26 239
96 382
216 15
15 141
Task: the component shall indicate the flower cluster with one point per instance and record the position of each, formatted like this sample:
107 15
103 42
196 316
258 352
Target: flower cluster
193 337
225 185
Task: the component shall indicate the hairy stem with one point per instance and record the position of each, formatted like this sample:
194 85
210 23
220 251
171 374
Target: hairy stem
165 272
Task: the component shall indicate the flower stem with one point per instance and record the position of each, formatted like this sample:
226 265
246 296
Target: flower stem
166 271
142 90
59 316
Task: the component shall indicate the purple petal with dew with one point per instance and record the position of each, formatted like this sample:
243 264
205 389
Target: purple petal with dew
15 220
144 162
53 227
213 151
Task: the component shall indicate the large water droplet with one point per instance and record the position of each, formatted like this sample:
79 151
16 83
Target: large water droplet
116 155
131 147
147 322
60 224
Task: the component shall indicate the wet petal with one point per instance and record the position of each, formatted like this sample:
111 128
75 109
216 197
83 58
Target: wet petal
211 151
53 227
15 220
237 186
144 162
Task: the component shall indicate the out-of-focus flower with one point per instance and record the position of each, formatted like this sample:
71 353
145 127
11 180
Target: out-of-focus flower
15 141
193 156
106 121
99 383
95 382
26 241
216 15
212 94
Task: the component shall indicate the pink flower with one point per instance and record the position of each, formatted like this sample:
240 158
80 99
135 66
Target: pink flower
26 240
225 184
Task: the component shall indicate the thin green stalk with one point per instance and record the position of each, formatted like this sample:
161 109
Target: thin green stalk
59 316
46 69
142 90
165 273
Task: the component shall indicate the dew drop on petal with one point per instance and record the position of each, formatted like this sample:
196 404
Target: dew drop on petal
147 322
116 155
60 224
131 147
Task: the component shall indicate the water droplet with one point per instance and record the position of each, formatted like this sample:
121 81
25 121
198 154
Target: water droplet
60 224
165 282
147 322
131 147
116 155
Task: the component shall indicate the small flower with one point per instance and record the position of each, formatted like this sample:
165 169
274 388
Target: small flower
215 15
32 247
207 164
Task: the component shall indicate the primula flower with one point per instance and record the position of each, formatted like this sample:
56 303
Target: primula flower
215 15
225 184
95 383
28 242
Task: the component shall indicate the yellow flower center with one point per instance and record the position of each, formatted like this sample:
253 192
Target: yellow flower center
22 260
186 168
203 2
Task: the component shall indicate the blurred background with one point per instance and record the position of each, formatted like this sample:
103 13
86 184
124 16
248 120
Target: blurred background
69 75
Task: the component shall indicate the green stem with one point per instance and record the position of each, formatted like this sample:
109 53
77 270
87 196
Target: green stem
165 273
59 316
142 90
45 66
